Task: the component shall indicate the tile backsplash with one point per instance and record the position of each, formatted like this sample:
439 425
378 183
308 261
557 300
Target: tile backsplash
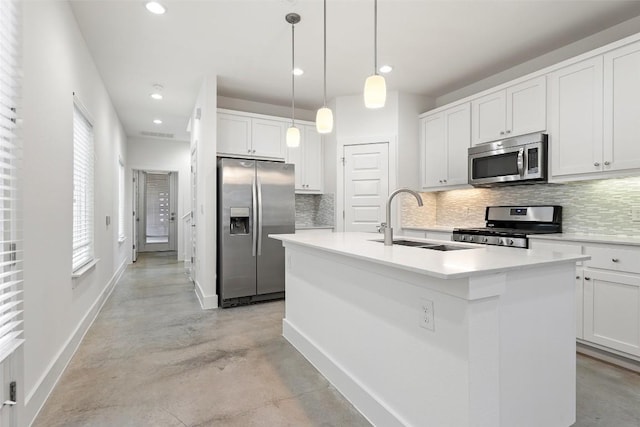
588 207
313 210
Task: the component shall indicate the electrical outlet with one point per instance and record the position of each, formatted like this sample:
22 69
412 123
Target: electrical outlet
426 315
635 213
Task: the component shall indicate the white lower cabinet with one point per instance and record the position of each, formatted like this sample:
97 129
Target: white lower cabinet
612 310
607 294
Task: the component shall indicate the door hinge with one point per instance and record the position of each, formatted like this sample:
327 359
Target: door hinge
134 246
342 214
134 213
13 392
191 260
343 160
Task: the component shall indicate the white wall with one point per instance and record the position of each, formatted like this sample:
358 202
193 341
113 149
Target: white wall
160 155
58 310
203 141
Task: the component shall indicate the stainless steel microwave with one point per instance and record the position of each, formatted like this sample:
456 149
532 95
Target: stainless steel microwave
517 160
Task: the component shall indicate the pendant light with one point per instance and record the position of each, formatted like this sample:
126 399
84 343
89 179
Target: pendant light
375 88
293 133
324 116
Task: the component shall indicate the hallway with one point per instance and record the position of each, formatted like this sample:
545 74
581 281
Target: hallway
154 358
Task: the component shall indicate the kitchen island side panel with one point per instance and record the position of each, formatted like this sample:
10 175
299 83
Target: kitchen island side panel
362 331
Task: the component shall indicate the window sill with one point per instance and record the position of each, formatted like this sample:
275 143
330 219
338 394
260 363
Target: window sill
84 269
121 239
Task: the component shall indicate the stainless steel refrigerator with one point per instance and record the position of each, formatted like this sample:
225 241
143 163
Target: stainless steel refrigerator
255 199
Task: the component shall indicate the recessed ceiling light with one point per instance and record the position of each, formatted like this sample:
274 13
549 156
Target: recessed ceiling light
156 95
386 69
155 7
298 71
157 121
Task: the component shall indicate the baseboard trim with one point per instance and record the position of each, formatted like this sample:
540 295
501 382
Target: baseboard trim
366 402
207 302
607 355
38 396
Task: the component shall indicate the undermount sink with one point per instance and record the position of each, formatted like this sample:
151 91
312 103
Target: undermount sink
423 245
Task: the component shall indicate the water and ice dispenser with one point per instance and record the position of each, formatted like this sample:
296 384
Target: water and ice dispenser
239 221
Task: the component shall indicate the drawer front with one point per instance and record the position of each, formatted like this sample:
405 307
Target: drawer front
613 258
567 248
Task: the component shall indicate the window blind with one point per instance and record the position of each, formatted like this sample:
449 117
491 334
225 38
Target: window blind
121 213
83 163
10 243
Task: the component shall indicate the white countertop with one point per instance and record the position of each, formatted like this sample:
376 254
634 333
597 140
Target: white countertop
480 260
589 238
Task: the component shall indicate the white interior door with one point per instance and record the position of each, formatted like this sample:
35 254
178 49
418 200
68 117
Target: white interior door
158 229
194 213
366 181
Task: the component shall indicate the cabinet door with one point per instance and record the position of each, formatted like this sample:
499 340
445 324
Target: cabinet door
295 156
622 117
313 164
268 138
612 310
579 304
527 107
458 141
488 117
433 150
575 118
234 134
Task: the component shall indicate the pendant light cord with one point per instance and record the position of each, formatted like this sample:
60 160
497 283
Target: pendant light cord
325 53
293 86
375 37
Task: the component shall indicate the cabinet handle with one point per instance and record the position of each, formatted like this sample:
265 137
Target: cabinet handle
501 132
444 180
577 277
440 181
615 259
587 278
607 163
253 151
508 132
596 164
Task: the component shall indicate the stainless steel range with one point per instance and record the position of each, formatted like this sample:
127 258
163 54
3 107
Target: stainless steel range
510 225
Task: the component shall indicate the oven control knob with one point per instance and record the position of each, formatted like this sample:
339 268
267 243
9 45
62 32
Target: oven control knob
471 238
500 242
485 240
509 242
463 238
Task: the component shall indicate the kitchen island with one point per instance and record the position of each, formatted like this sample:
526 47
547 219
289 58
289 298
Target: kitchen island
418 337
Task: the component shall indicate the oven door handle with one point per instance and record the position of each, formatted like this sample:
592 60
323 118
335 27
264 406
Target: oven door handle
521 162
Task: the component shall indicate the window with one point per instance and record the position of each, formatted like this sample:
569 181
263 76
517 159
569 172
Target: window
121 214
10 246
83 161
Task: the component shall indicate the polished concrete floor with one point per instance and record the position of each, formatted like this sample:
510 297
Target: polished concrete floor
154 358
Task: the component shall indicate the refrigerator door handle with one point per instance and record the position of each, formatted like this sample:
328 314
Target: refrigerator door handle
254 234
259 217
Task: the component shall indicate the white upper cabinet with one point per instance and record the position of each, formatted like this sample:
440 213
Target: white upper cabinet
622 114
234 134
516 110
575 118
268 138
247 135
445 139
307 159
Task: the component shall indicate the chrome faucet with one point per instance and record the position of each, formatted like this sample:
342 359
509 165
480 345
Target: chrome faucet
386 226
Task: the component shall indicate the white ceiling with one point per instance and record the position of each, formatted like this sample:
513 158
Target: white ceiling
435 47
